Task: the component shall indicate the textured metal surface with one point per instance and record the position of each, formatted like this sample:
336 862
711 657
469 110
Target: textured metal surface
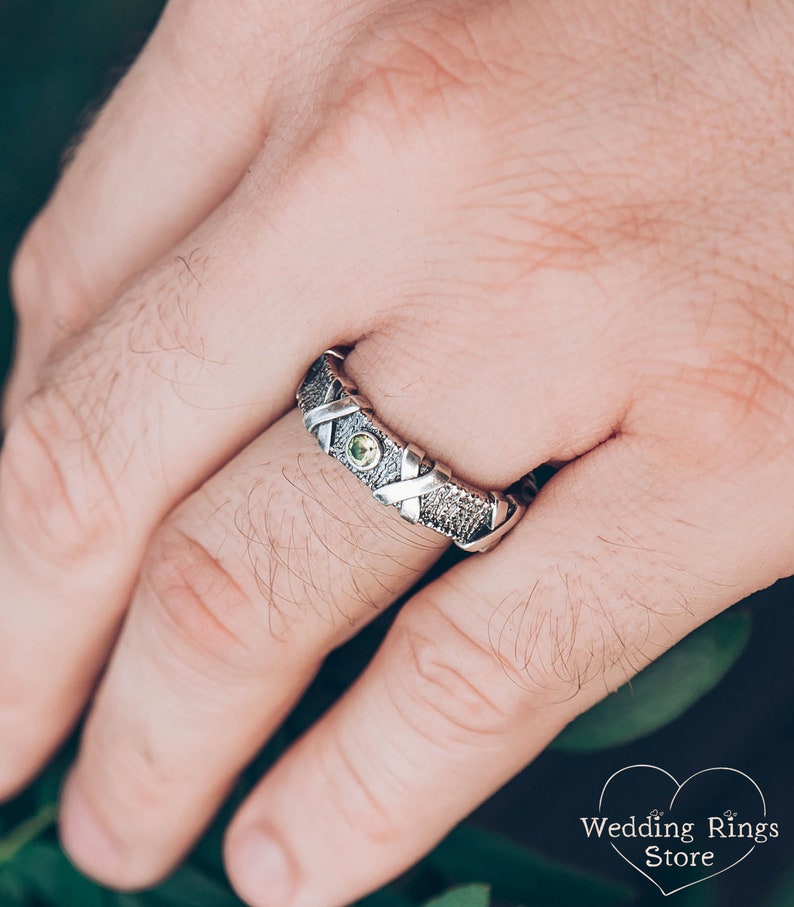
424 492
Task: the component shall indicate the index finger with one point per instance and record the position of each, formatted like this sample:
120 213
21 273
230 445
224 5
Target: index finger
136 184
146 404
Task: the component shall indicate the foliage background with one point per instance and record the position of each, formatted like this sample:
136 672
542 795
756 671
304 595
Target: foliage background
724 697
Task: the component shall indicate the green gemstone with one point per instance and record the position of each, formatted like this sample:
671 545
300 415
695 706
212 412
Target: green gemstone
363 450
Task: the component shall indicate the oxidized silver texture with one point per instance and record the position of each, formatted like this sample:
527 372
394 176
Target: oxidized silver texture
423 492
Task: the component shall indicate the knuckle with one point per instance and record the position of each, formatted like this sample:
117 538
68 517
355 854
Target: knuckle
129 763
363 794
20 701
453 689
416 68
55 495
199 599
45 277
142 763
585 623
248 31
734 400
27 274
754 375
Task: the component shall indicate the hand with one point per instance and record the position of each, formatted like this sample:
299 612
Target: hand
552 232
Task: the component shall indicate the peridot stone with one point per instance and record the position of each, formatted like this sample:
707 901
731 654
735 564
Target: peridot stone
363 450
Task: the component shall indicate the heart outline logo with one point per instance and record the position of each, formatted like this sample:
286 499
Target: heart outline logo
679 787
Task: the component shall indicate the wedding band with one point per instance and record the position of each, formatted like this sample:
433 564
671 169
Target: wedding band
397 473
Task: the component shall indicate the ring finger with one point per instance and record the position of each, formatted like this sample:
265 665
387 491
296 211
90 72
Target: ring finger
276 560
273 563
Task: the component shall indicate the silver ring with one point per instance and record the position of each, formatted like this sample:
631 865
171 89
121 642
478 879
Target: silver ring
398 474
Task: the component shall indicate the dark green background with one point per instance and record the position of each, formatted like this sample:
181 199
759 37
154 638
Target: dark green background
57 60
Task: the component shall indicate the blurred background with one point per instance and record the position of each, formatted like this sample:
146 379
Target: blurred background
723 697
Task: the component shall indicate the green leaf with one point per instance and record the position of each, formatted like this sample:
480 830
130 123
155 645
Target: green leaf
12 890
27 831
664 690
189 887
463 896
386 897
47 874
516 873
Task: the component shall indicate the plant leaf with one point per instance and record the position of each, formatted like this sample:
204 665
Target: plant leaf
189 887
664 690
463 896
516 873
385 897
27 831
46 873
12 890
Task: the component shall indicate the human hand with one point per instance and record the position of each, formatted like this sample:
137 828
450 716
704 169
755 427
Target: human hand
549 238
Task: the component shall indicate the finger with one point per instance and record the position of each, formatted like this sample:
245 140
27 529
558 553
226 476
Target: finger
142 408
173 141
194 360
202 352
485 666
277 560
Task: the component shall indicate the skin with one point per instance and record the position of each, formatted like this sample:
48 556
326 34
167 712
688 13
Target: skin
553 232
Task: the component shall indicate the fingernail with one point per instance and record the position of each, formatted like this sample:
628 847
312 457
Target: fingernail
85 838
260 869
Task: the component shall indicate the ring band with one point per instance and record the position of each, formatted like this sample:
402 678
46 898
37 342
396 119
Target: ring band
397 473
